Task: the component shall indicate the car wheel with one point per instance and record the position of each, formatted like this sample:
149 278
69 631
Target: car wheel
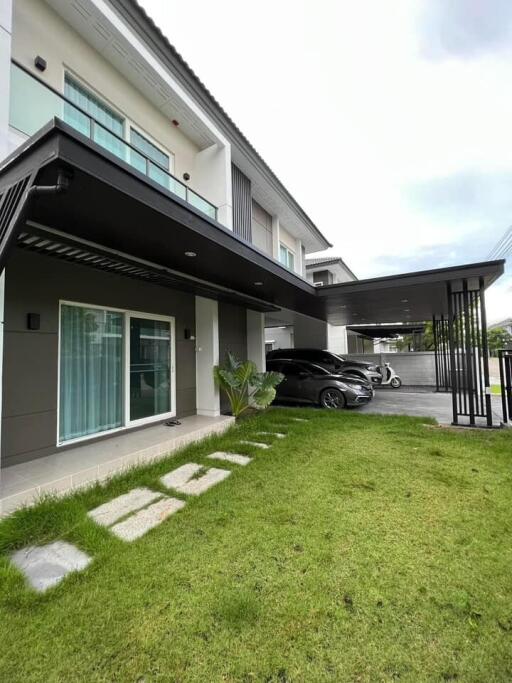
396 382
332 398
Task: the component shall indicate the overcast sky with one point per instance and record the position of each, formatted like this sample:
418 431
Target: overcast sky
389 122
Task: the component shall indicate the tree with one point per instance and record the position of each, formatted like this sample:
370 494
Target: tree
409 341
498 338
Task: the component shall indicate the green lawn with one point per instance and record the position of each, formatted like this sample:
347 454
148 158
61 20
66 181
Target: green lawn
359 548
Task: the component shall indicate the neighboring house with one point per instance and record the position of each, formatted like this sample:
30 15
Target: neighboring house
328 270
142 236
504 324
331 270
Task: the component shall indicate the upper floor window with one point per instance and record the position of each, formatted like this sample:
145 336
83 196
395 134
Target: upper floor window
159 163
286 257
97 110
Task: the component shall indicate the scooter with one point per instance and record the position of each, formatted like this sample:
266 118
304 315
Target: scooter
389 376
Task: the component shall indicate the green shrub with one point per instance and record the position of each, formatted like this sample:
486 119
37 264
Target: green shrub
244 385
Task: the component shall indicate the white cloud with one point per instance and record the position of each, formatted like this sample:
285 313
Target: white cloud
353 103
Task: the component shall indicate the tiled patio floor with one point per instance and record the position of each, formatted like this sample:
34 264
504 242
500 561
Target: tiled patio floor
71 468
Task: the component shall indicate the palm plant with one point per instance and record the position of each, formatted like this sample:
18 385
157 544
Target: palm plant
245 386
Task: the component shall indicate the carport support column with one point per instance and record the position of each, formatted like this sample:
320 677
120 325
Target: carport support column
256 338
207 356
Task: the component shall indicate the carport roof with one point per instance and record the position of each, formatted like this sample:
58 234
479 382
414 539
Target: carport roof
127 222
406 297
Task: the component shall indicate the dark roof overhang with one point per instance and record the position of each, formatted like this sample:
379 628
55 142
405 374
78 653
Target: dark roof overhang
407 297
110 204
125 222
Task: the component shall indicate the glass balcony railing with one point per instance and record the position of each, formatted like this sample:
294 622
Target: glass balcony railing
33 104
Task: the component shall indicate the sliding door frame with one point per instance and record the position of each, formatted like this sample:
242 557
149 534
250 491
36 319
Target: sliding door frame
127 422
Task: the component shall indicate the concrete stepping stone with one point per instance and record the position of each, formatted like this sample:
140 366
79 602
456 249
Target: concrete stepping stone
45 566
181 475
258 444
143 521
182 479
230 457
110 512
197 486
278 435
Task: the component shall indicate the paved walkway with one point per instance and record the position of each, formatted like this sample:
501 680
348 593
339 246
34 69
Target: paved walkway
85 463
424 403
132 515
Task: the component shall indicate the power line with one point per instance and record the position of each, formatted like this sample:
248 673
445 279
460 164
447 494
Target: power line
503 247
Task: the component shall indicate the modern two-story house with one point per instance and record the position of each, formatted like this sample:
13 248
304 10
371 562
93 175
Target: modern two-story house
142 236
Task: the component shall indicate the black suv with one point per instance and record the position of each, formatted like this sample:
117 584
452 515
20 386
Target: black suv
330 361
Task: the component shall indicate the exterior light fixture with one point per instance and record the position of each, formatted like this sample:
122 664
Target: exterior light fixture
404 301
40 63
258 283
190 254
186 176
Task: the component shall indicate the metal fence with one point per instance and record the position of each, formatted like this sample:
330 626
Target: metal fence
505 363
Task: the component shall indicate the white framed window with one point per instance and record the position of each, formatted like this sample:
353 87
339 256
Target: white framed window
157 162
116 369
112 124
286 257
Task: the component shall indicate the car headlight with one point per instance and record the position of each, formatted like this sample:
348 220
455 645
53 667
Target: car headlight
356 387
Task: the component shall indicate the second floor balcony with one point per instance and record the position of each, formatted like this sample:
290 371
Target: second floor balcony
33 104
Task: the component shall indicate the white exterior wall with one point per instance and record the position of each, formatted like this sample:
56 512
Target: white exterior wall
35 27
275 237
207 356
287 238
337 339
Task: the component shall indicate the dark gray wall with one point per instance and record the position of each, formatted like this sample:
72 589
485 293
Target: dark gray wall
35 284
242 209
232 336
309 332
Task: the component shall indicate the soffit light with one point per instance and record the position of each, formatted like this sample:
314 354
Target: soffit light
258 283
190 254
404 301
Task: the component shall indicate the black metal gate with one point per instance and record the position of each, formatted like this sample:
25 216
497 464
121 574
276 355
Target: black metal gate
468 362
442 353
505 361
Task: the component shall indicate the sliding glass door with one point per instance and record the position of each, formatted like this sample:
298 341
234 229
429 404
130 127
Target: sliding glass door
91 371
150 367
115 369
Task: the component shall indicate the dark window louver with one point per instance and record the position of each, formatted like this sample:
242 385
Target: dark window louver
11 205
242 204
